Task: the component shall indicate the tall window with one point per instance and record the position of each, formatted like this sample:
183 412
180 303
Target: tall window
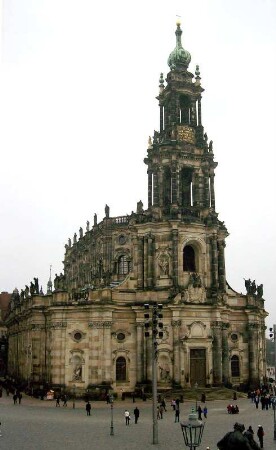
120 369
235 366
123 265
189 259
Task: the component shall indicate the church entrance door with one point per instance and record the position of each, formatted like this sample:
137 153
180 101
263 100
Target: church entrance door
198 366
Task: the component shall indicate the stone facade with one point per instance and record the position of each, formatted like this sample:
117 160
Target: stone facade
90 329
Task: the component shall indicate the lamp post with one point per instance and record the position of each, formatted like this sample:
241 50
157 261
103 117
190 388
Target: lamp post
74 395
111 410
272 335
154 324
192 431
196 386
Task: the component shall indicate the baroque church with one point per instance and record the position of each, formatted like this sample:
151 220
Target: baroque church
89 329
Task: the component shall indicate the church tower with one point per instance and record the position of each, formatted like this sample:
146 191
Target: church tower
181 166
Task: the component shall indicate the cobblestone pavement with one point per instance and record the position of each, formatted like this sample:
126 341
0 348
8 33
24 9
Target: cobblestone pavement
39 425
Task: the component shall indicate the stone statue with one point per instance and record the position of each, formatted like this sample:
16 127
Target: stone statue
253 287
32 288
27 291
56 280
235 440
260 291
22 294
69 242
195 280
247 284
164 264
149 141
87 225
95 219
81 232
140 209
211 146
106 210
77 373
36 285
75 238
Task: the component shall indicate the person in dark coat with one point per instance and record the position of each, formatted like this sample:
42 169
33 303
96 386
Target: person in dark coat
235 440
88 408
260 434
249 434
199 412
177 413
136 413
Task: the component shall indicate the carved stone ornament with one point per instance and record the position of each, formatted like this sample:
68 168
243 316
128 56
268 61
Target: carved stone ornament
100 324
194 295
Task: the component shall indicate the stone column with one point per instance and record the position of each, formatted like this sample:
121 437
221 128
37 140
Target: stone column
139 352
212 189
214 261
149 188
225 353
175 257
217 353
107 349
145 261
176 351
160 177
140 279
174 184
150 262
221 265
199 111
253 350
206 190
200 188
155 188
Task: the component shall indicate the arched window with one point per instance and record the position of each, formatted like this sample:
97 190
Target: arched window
120 369
123 265
235 366
189 259
167 183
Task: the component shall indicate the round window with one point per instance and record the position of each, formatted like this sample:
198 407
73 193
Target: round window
121 336
77 336
234 337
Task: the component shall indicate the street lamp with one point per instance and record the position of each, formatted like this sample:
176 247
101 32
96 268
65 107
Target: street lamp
196 386
74 395
111 410
154 324
192 431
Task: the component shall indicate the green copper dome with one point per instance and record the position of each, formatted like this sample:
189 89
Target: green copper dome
179 57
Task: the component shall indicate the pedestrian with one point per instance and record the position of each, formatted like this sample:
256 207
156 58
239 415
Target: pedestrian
249 435
260 434
19 396
88 408
65 398
163 403
161 410
127 417
199 411
136 413
177 413
256 400
14 399
58 401
173 404
158 412
205 411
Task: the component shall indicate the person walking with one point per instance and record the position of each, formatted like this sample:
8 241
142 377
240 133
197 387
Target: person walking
199 411
176 413
161 411
260 434
19 396
127 417
136 413
65 398
58 401
205 411
14 399
88 408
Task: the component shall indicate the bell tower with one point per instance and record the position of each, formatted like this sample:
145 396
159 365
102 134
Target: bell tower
180 160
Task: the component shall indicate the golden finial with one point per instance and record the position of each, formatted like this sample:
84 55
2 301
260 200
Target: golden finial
178 20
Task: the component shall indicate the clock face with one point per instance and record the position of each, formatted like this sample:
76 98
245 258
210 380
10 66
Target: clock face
185 133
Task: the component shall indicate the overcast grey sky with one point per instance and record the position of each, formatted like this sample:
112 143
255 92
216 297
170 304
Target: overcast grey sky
78 87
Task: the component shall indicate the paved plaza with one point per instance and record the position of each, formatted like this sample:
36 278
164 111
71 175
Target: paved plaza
39 425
